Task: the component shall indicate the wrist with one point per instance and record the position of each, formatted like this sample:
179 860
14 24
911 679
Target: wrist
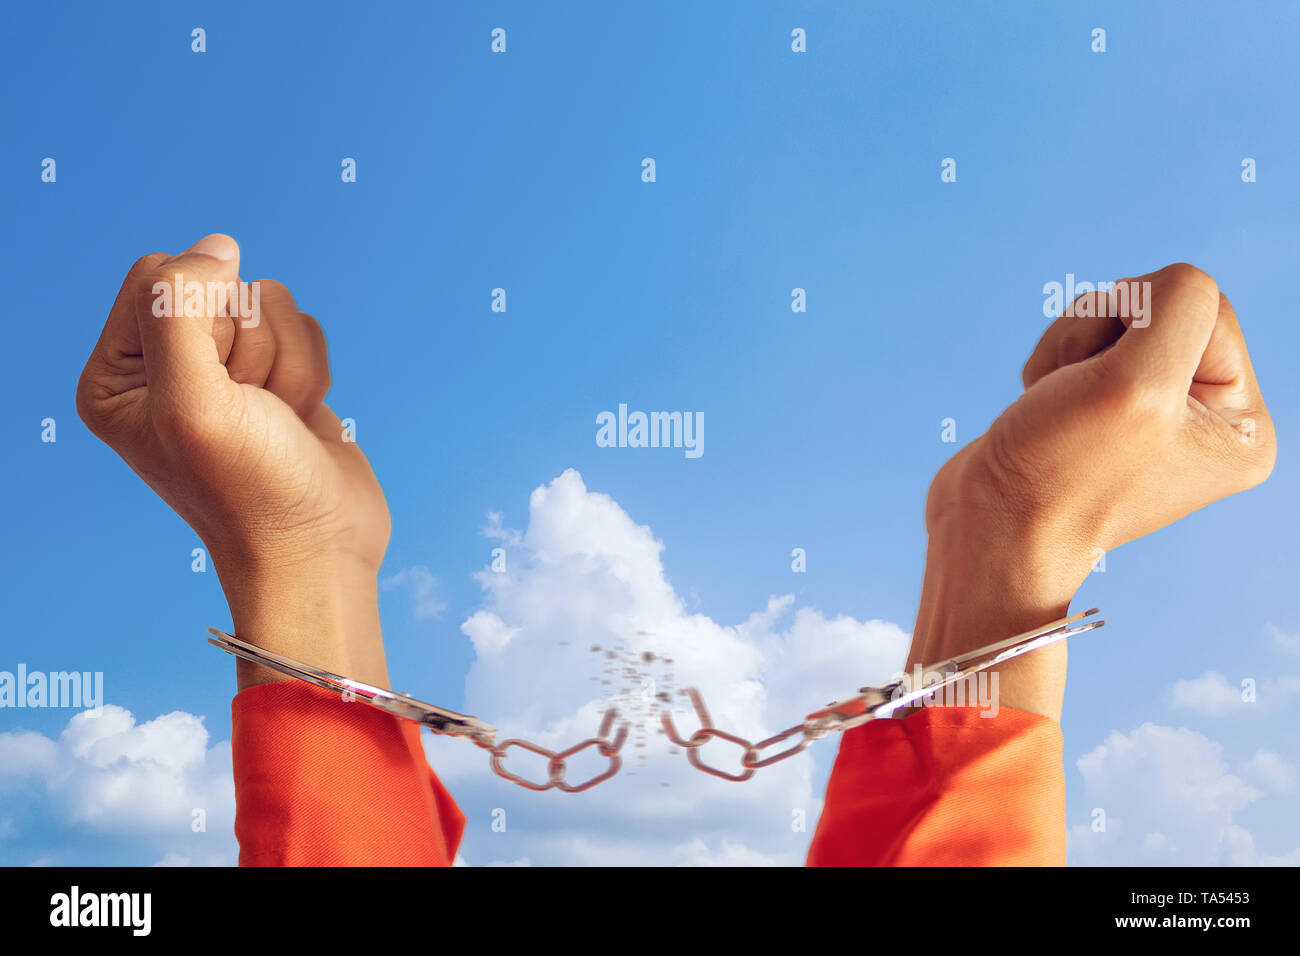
982 585
322 610
984 581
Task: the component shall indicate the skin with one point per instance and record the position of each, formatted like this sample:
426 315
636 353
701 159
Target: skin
228 425
1123 428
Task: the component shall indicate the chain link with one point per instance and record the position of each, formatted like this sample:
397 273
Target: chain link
556 761
817 725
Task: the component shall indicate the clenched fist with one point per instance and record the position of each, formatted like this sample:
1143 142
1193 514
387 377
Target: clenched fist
1140 407
220 410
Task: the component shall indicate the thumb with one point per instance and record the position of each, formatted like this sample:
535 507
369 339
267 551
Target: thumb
176 309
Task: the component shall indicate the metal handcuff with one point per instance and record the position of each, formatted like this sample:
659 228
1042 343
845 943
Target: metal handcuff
869 703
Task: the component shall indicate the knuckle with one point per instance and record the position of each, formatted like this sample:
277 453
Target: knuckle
313 327
96 406
319 370
178 269
1187 277
88 410
1260 443
144 275
273 286
322 346
1266 464
1086 305
1262 466
1027 376
316 392
1073 345
147 265
1243 449
274 294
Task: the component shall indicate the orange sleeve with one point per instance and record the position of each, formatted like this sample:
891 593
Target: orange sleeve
946 787
323 782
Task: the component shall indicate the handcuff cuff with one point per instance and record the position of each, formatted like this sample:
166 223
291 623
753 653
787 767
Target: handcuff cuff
869 703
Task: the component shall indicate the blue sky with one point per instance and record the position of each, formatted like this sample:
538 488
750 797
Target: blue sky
775 170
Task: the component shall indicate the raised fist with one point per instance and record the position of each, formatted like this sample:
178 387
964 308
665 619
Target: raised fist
212 391
1140 406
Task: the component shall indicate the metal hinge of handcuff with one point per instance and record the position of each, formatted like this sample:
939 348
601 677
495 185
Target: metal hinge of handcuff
869 703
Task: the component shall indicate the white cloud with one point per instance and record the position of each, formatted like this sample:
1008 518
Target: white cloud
1211 695
584 575
698 853
1287 643
144 781
1271 772
488 632
1169 800
496 529
25 753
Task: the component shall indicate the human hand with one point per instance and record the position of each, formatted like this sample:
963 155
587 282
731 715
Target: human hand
223 417
1132 417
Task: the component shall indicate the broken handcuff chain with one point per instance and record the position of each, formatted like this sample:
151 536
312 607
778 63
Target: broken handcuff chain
869 703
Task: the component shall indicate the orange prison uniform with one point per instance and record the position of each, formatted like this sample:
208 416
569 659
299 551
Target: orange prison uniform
321 782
